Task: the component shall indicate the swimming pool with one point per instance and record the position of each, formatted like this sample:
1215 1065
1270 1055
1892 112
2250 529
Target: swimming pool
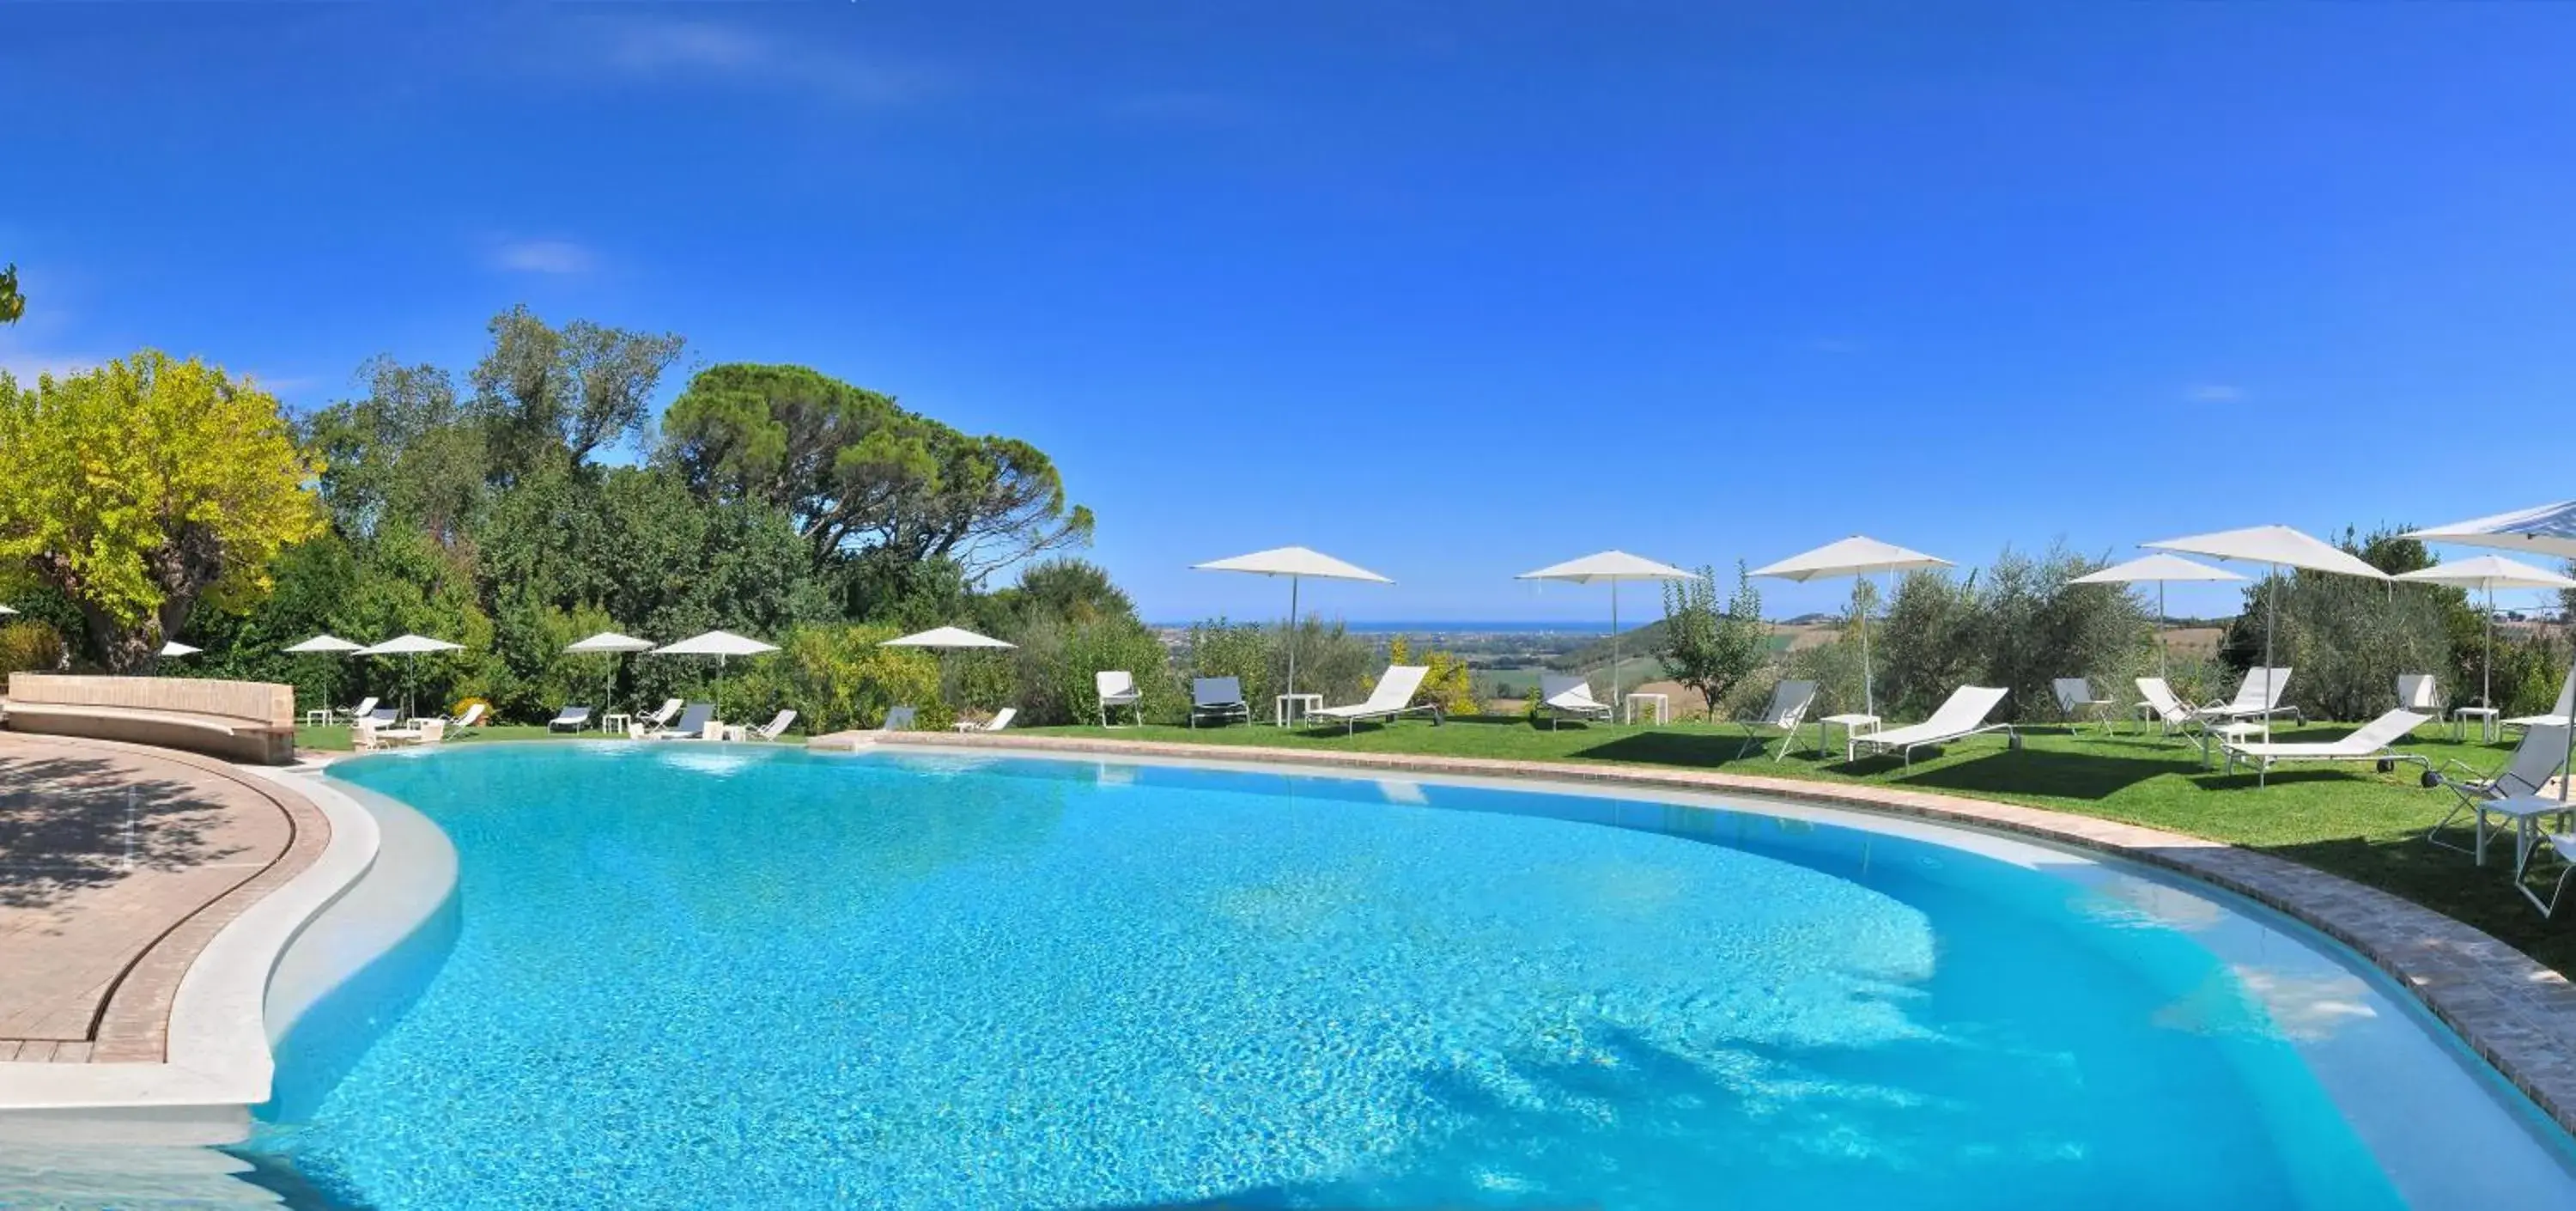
726 976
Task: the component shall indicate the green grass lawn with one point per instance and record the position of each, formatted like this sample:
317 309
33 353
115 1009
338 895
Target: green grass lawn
2347 819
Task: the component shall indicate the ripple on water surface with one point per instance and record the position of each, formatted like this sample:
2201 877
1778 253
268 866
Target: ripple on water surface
785 980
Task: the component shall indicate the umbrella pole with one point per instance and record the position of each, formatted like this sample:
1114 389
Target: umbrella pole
1614 647
2271 621
1868 679
2486 664
2157 628
1292 635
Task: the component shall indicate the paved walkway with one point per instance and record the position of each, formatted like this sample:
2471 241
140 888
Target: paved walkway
2517 1014
117 864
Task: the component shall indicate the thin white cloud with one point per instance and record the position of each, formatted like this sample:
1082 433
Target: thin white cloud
557 257
685 51
2214 393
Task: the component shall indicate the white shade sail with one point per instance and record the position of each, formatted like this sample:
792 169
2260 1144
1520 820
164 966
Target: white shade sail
715 643
1608 566
2542 530
176 648
2279 546
2157 568
611 641
2489 572
325 643
410 645
7 610
1854 556
946 637
1292 561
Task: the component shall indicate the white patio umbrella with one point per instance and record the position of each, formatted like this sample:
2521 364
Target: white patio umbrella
2277 547
325 644
408 645
612 644
2488 572
176 648
2541 530
1295 563
6 610
1855 556
723 645
2158 568
1613 567
946 639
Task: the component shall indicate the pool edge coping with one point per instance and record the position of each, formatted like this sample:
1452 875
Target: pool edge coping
2505 1005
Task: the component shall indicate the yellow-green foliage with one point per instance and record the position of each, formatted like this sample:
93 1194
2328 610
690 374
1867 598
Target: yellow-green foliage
1449 684
145 481
837 677
29 646
466 704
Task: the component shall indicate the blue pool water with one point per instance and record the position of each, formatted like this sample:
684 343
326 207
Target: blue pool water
700 976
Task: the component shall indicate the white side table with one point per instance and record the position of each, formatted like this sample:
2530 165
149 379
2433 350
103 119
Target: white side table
1288 708
1853 726
615 721
2225 732
2526 812
1663 707
320 716
2486 717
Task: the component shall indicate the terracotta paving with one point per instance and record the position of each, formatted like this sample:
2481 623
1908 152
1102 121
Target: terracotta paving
2517 1014
118 863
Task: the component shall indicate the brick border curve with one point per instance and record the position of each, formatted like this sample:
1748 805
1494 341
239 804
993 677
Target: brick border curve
132 1023
2516 1014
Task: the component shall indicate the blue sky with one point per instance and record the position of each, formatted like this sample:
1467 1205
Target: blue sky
1450 291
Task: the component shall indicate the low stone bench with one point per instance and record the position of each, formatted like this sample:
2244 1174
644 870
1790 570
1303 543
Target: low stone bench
237 720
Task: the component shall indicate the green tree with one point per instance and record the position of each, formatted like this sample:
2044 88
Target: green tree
12 304
1708 648
406 452
543 393
144 487
858 472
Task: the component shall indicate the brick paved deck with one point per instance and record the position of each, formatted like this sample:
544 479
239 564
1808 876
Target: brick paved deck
117 864
2517 1014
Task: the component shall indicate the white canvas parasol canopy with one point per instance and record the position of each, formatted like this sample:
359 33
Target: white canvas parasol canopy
723 645
176 648
612 645
2279 547
2159 568
1855 556
2541 530
2488 572
325 644
408 645
946 638
1612 567
6 610
1295 563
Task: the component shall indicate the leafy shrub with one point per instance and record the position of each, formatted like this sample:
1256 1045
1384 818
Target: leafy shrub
1711 648
1330 660
2019 625
29 646
1450 685
836 677
466 704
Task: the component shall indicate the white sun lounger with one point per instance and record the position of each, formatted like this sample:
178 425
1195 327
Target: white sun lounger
570 719
2075 696
1117 688
1962 716
898 719
1218 698
1392 698
1565 696
2558 714
646 725
692 725
2526 776
1788 712
2369 742
2256 697
1001 719
776 726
